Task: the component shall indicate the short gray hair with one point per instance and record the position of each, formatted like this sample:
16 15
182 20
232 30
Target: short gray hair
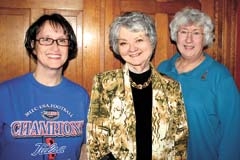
196 17
134 21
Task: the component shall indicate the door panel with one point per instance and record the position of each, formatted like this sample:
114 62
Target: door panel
74 70
16 16
13 57
162 12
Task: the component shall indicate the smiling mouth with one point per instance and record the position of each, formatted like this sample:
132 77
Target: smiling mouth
188 47
135 55
55 56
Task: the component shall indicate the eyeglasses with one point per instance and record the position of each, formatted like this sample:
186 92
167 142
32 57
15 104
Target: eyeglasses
50 41
194 34
49 142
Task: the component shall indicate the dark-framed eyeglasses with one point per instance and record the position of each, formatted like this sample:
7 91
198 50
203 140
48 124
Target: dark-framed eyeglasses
49 41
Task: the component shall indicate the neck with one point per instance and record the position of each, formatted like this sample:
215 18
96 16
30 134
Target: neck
183 65
139 69
48 80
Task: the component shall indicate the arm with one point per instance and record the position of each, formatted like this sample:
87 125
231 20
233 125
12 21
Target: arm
228 104
83 155
180 120
97 127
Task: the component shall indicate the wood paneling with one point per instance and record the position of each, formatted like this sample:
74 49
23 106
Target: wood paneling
40 4
75 69
91 19
162 12
237 61
154 6
91 41
16 16
14 60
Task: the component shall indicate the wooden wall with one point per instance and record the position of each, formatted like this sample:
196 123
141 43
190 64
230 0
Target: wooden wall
90 20
237 68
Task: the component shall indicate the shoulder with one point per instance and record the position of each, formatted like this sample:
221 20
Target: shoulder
74 87
217 69
217 76
167 64
108 80
14 87
16 80
163 79
111 74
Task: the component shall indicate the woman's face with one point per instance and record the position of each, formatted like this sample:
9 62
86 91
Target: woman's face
135 48
190 39
51 56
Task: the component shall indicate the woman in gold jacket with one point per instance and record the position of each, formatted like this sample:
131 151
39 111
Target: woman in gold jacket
135 112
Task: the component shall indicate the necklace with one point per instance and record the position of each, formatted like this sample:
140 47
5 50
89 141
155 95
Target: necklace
140 86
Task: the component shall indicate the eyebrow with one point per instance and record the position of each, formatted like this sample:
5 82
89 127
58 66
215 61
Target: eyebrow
188 29
140 36
48 36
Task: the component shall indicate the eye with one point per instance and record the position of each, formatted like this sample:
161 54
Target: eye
139 40
183 32
122 43
47 39
63 40
196 33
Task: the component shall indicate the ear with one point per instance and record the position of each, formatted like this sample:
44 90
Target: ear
33 46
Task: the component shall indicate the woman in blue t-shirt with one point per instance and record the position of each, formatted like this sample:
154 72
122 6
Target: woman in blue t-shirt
43 114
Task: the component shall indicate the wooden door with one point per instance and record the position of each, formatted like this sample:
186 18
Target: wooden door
14 60
16 16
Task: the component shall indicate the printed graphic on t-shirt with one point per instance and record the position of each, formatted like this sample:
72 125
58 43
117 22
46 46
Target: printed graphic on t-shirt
48 128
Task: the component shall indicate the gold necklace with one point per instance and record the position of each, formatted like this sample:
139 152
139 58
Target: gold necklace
140 86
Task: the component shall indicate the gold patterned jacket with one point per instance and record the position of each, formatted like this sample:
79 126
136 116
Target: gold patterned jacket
111 119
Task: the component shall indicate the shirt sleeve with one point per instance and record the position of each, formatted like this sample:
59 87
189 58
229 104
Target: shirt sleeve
97 131
228 102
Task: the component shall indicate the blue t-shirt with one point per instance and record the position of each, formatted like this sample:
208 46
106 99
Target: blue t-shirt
213 109
37 121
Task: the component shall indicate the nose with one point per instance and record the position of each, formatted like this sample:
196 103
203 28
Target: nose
55 45
132 47
189 37
55 42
